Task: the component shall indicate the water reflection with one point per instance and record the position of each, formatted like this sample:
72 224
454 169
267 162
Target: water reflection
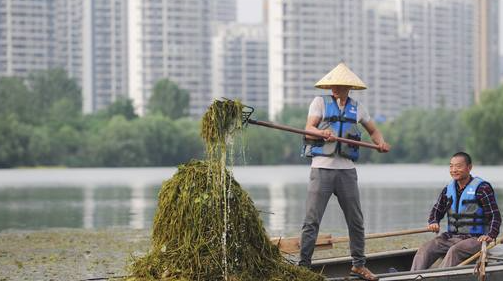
384 208
127 197
283 206
88 207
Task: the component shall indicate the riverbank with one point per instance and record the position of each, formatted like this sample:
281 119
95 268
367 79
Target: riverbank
79 254
369 175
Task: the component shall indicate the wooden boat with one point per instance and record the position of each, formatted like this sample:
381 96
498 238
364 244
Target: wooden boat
395 265
337 269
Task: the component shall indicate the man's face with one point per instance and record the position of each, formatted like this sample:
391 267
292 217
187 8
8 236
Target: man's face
340 91
459 169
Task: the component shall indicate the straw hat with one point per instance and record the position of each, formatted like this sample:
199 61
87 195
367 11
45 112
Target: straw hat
341 75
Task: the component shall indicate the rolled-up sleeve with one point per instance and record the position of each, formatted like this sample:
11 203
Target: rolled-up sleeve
317 107
487 199
440 208
363 115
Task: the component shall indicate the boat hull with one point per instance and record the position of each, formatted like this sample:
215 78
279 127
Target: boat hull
395 265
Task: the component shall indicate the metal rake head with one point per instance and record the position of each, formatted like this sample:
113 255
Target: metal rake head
246 113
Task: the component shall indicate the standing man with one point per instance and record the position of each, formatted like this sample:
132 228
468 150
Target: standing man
332 168
473 217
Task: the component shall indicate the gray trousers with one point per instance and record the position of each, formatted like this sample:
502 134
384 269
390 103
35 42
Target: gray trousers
344 185
455 249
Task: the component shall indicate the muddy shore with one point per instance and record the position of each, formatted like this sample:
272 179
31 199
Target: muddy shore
79 254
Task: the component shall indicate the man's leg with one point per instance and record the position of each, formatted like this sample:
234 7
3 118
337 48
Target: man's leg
461 251
348 196
319 192
430 251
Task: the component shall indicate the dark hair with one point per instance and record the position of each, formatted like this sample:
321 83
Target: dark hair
465 155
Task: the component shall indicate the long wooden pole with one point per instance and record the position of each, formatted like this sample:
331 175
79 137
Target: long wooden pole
325 241
304 132
476 255
383 235
482 267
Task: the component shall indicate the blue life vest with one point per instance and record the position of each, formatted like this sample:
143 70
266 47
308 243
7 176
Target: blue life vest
342 124
465 215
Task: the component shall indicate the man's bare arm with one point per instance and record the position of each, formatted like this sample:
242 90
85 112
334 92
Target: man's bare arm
312 126
376 136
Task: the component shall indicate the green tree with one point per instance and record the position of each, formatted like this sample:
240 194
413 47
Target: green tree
121 106
15 138
118 144
271 146
190 145
484 127
48 88
419 136
62 112
15 99
169 100
260 146
40 148
293 116
160 137
66 145
170 142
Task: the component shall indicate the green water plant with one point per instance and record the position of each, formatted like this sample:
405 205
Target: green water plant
220 124
188 225
206 227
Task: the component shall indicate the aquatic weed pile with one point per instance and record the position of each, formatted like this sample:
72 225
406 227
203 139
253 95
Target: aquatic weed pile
186 242
206 226
220 123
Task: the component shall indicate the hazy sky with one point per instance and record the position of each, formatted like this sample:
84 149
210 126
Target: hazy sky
250 11
501 29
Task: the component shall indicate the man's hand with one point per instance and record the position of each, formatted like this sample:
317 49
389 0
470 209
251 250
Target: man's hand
486 238
327 135
434 227
376 136
383 147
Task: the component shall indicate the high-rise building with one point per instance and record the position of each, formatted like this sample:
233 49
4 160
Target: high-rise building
239 64
104 52
86 38
223 11
69 37
306 40
437 43
115 48
411 53
487 45
381 65
172 39
27 37
501 69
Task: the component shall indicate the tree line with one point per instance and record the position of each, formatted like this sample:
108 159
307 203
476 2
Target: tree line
42 124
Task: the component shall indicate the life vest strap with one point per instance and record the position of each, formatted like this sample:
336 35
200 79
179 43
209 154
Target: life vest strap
467 223
333 119
316 142
460 216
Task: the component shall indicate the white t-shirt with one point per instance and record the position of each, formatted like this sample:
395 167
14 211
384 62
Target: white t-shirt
317 108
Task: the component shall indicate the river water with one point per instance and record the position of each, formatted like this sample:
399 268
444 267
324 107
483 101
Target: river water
393 197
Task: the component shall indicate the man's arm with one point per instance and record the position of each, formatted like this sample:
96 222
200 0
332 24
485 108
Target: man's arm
312 126
438 211
376 136
314 117
485 195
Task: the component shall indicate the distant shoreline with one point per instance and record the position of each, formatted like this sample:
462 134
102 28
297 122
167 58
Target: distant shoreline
369 175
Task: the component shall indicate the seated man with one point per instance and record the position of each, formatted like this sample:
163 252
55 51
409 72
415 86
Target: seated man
473 217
